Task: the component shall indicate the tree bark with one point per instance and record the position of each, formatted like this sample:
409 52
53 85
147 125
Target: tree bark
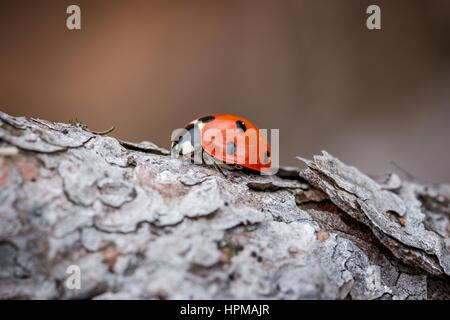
140 224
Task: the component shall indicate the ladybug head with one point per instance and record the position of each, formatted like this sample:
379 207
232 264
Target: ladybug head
185 142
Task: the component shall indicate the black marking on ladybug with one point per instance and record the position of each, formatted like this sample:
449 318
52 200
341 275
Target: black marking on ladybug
241 125
206 119
267 156
189 126
231 147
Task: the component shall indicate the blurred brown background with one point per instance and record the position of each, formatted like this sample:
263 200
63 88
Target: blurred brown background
308 67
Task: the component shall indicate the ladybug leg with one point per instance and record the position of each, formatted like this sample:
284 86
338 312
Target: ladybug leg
211 161
233 167
217 167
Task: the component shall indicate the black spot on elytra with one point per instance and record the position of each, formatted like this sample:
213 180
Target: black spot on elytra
241 125
267 154
206 119
231 147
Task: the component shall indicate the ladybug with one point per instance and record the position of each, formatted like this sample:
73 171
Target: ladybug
223 140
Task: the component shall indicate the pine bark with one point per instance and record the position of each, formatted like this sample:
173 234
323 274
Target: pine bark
142 225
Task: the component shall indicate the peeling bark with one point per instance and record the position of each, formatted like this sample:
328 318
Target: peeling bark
141 224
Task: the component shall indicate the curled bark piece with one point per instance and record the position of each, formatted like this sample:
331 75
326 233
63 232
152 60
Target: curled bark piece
145 146
396 218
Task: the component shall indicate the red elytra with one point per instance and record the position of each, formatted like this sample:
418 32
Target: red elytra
234 140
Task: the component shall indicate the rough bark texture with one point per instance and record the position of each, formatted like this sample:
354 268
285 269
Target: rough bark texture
141 224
